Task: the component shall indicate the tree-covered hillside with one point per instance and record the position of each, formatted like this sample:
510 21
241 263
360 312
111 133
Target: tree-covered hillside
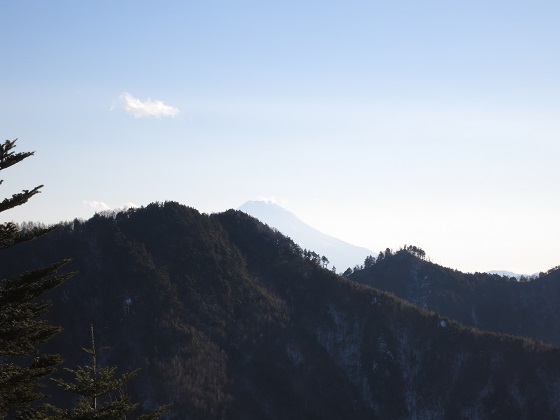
229 319
486 301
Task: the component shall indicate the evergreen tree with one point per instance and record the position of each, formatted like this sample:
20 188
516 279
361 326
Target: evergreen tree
22 328
369 261
102 394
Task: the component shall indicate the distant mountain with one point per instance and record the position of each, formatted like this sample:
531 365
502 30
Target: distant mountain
518 276
486 301
340 254
228 319
504 273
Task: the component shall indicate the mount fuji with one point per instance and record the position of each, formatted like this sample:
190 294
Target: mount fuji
340 254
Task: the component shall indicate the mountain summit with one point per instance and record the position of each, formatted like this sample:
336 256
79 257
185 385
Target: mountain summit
340 254
229 319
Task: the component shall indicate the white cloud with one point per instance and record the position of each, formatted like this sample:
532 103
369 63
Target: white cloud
148 108
100 206
271 199
97 205
128 205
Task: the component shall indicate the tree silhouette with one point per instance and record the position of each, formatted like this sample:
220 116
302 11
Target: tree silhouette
102 393
22 328
417 251
369 261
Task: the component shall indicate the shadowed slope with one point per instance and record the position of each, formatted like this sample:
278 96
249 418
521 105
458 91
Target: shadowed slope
486 301
227 319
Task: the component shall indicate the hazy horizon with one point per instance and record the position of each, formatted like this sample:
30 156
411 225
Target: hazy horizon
378 123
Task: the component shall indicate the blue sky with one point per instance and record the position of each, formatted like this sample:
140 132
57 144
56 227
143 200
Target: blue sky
432 123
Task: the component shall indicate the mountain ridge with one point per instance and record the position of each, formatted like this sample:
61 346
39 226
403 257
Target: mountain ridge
526 308
227 318
340 253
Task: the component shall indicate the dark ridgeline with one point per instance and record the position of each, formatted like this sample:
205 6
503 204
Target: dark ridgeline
530 307
227 318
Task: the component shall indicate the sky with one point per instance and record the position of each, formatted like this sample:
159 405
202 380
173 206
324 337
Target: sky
382 123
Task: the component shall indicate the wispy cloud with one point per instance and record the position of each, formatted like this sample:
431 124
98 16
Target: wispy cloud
147 108
128 205
100 206
97 205
271 199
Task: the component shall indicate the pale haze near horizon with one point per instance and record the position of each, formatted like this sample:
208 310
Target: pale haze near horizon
380 123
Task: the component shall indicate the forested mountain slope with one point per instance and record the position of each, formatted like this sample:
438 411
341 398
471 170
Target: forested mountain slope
227 319
486 301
